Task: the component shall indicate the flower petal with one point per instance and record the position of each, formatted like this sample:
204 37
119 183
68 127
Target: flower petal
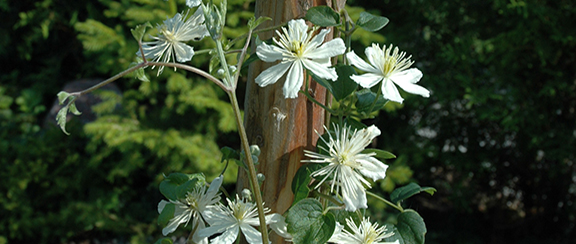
199 225
317 40
332 48
407 81
320 70
179 218
228 237
214 186
375 55
251 234
278 224
353 59
367 80
272 74
297 30
161 205
294 80
193 3
390 92
183 52
269 53
373 168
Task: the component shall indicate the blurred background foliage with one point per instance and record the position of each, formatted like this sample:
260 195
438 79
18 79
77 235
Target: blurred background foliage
496 138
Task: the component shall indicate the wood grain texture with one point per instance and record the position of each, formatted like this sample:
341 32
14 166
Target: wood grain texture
281 127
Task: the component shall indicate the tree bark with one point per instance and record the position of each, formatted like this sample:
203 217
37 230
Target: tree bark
281 127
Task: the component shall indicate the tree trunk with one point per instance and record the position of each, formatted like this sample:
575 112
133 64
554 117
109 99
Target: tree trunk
281 127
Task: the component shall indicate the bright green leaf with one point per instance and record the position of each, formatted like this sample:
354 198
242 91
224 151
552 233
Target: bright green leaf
381 154
74 110
344 85
307 224
254 23
62 97
323 16
411 227
139 31
409 190
371 22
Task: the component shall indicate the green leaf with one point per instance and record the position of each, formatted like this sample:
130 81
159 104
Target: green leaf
164 241
70 106
371 22
74 110
409 190
167 214
323 16
366 99
301 181
307 224
355 124
176 185
323 82
62 97
249 60
411 227
61 119
254 23
229 153
381 154
344 85
139 31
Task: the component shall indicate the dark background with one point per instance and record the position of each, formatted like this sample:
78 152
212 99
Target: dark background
496 137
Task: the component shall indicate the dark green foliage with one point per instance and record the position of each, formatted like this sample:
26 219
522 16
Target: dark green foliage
497 135
101 182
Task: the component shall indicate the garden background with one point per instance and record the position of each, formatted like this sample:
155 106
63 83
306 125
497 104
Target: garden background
496 137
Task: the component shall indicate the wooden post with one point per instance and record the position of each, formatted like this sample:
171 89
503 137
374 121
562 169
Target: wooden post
281 127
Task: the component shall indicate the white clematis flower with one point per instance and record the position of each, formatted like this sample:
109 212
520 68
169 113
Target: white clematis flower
169 45
347 164
240 215
366 233
193 3
296 48
390 67
193 208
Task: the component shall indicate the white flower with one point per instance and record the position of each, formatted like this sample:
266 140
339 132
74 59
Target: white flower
391 68
169 44
347 164
239 215
193 3
195 205
297 49
366 233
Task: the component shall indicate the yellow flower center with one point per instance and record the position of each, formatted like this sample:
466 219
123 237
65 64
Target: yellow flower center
170 35
296 47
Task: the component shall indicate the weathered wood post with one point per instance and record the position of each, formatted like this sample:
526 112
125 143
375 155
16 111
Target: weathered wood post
281 127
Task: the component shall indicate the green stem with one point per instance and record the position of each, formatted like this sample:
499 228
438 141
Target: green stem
111 79
378 93
241 59
396 206
250 164
227 78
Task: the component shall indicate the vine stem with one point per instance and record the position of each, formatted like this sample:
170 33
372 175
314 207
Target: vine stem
396 206
250 164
